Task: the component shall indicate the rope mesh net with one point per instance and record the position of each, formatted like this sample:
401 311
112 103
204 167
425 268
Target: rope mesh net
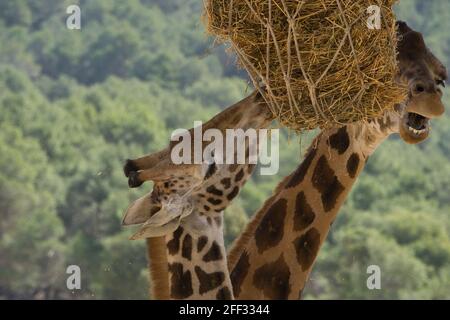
316 62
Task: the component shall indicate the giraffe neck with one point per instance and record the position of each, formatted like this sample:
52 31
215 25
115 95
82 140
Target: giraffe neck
274 256
197 261
195 255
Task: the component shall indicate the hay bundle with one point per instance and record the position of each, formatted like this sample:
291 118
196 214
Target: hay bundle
316 62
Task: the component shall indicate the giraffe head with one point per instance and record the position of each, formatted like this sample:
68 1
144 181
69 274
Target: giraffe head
423 74
192 195
195 201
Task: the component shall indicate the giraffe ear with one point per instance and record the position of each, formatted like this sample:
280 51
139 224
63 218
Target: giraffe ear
140 211
152 231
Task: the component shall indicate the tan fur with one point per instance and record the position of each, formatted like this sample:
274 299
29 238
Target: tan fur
241 242
158 268
321 223
149 161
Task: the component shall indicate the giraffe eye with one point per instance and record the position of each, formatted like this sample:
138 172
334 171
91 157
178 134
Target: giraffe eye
440 83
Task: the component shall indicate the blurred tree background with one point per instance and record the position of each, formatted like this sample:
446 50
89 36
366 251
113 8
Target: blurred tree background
75 103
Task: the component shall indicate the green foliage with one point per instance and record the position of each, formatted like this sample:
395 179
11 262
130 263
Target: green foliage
32 253
15 13
75 104
235 221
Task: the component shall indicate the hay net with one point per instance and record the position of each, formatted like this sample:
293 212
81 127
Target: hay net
316 62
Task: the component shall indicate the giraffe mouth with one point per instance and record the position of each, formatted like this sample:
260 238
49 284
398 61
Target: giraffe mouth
415 127
416 123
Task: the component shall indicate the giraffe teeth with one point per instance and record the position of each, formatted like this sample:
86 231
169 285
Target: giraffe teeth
417 132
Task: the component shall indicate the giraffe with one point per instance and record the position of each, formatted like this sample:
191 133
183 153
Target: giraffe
274 256
139 170
182 217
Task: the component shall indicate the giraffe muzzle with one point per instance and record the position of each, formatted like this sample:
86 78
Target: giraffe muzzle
427 105
414 127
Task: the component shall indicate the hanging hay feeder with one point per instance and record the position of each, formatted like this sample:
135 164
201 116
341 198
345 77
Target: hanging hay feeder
316 62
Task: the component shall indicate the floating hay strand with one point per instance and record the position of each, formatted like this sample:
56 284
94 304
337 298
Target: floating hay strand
316 62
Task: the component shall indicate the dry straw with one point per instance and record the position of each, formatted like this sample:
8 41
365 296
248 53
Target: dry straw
316 62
